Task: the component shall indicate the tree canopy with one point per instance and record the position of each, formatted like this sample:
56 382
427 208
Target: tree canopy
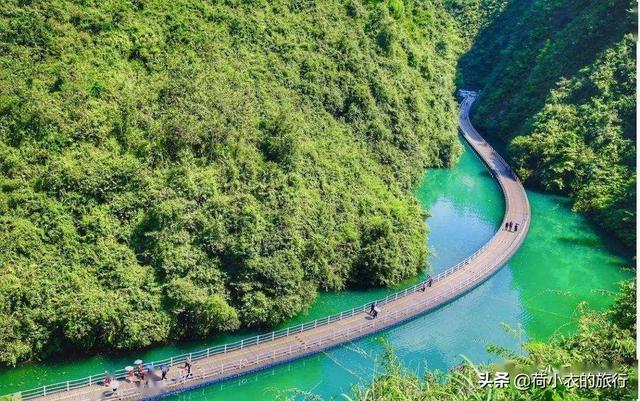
557 80
175 168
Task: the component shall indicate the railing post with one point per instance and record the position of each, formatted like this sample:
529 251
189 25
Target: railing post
225 348
273 335
44 390
171 362
287 332
208 352
89 380
241 343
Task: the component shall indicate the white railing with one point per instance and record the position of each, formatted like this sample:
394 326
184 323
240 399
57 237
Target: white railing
465 115
291 349
274 335
259 339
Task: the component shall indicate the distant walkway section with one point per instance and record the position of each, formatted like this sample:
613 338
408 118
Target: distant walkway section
249 355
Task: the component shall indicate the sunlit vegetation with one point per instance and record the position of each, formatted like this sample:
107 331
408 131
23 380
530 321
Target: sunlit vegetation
177 168
473 16
558 83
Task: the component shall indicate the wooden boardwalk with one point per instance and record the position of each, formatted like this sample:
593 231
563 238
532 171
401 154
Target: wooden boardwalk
320 335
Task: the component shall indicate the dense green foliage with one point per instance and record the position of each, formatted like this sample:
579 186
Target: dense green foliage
472 16
583 141
601 340
558 84
174 168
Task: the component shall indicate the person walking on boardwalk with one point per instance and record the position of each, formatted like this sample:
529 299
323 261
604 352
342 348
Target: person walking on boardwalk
506 225
114 387
372 308
430 282
424 287
131 375
164 369
516 228
375 312
141 372
187 366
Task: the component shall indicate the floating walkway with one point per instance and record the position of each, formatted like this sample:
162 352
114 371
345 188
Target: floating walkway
230 360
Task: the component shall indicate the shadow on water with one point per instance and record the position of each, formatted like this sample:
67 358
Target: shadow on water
590 234
580 241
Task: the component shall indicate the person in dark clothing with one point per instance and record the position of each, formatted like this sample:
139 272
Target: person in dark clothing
430 282
516 228
424 287
187 366
371 308
506 225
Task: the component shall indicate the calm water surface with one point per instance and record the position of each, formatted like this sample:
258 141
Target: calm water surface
563 262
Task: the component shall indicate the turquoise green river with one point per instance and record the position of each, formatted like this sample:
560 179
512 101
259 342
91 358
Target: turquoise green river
564 261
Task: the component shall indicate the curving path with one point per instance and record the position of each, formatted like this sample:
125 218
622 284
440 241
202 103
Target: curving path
231 360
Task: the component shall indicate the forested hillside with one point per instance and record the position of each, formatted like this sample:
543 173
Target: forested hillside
558 85
175 168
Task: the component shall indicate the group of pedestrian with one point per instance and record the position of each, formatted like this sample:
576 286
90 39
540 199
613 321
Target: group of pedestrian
426 284
374 310
141 374
511 226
